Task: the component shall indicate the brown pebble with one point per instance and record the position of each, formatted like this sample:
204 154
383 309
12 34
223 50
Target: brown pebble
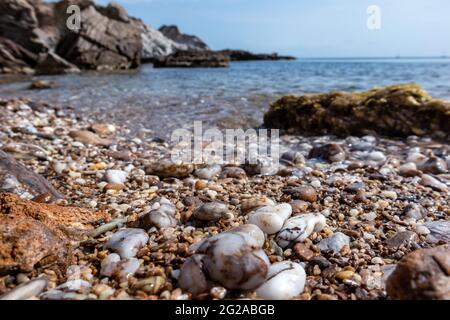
303 252
114 187
299 206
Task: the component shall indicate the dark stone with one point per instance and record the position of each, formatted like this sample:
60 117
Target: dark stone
193 59
398 110
331 152
422 275
402 238
242 55
16 178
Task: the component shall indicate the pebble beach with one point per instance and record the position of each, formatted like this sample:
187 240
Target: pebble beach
332 223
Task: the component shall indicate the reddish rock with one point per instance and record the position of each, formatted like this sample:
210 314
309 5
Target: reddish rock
422 275
304 193
39 234
303 252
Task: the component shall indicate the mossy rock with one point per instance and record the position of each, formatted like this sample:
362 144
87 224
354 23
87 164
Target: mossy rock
397 110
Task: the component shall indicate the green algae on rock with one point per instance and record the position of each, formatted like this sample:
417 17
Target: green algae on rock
396 110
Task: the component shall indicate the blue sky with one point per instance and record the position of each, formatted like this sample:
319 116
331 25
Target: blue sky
307 28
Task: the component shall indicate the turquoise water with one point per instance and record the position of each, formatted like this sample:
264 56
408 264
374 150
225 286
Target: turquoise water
164 99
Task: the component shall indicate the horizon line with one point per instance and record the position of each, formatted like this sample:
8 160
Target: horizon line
374 58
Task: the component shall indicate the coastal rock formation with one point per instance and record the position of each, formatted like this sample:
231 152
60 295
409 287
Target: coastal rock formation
32 233
155 45
34 37
423 274
192 42
193 59
106 40
242 55
18 179
397 110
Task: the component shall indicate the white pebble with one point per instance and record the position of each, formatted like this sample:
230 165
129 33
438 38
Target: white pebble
286 281
298 228
127 242
422 230
116 176
270 219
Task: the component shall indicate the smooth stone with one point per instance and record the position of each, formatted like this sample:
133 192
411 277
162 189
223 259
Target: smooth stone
334 243
417 158
234 173
414 210
162 216
439 230
294 158
401 238
166 168
377 156
297 229
253 203
434 165
235 258
114 266
409 169
211 211
270 219
26 290
305 193
192 277
116 176
429 181
331 152
422 275
109 264
303 252
286 280
88 137
208 172
127 242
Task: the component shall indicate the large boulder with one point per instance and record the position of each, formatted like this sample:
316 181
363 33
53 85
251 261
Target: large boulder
193 59
397 110
422 275
34 36
18 179
192 42
107 38
39 234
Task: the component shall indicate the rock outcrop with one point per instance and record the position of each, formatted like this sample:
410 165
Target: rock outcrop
39 234
18 179
397 110
155 45
192 42
107 39
242 55
423 274
193 59
34 37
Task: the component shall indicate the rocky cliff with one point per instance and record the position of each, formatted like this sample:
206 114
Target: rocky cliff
34 37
